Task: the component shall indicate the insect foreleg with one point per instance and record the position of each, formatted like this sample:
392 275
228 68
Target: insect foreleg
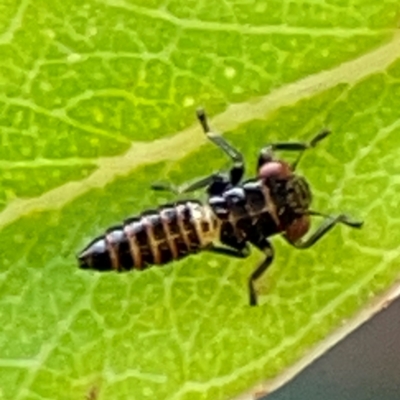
329 222
266 152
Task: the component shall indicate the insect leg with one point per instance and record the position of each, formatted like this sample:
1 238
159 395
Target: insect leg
329 222
187 187
265 247
266 152
313 142
237 171
238 252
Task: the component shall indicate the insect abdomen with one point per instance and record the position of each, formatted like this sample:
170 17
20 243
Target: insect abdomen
153 238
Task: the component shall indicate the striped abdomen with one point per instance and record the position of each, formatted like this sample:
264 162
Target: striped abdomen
154 237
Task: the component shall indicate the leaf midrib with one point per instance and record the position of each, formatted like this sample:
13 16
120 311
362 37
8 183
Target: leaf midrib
190 139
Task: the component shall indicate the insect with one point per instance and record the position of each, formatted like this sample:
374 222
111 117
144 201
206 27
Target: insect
237 213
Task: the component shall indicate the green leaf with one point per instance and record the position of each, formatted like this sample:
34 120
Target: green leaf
97 100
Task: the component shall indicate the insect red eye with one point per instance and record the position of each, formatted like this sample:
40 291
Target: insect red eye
275 169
